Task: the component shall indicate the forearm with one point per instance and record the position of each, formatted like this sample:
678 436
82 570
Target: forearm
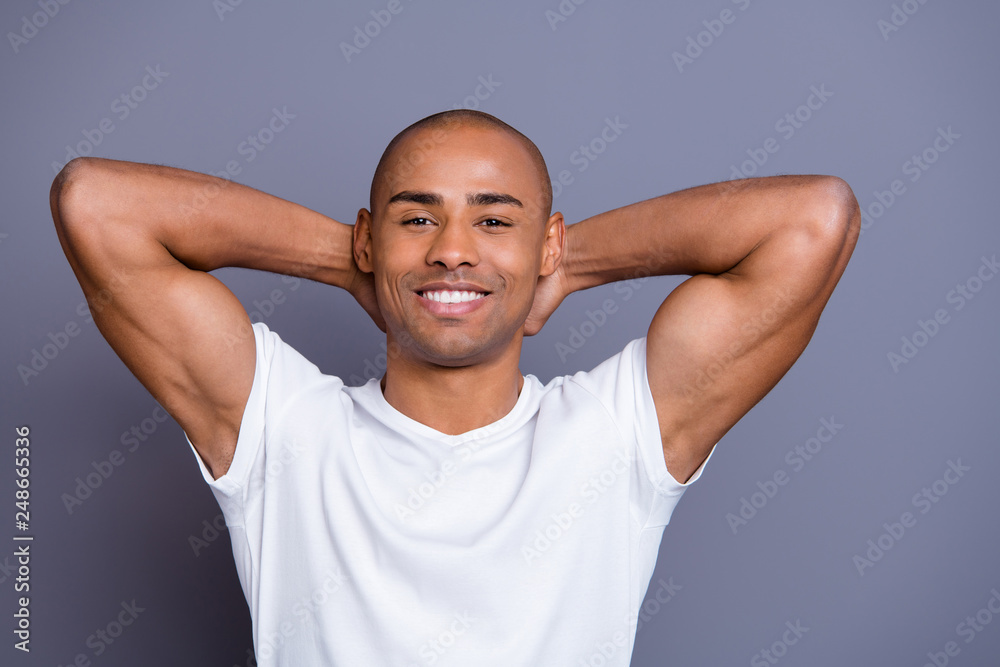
732 227
202 221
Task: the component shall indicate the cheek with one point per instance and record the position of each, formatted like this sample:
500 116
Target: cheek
521 264
392 260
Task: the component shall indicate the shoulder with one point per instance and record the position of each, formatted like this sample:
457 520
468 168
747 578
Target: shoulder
623 372
288 397
289 391
616 387
281 365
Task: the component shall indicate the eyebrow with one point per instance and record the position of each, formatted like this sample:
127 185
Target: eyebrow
488 198
472 199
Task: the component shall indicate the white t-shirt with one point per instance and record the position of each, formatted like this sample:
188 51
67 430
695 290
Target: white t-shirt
363 537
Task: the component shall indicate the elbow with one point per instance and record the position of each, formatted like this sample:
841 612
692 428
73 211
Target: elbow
834 224
63 186
834 213
74 192
847 209
82 200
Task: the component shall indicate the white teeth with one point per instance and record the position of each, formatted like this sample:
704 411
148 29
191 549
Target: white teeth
447 296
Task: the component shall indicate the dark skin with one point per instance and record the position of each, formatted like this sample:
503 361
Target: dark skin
457 366
764 256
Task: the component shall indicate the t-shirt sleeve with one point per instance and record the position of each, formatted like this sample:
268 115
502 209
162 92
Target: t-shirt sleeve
622 385
280 372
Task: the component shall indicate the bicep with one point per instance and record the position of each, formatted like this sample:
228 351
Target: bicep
181 332
719 343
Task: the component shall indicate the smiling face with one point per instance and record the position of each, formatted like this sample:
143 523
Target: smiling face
456 243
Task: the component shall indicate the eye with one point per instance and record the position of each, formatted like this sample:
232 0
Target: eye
416 222
493 222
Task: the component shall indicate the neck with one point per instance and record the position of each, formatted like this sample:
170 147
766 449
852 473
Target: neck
454 400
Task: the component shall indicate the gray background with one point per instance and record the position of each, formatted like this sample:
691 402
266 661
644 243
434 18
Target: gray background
794 561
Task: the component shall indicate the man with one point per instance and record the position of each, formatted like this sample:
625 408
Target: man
454 511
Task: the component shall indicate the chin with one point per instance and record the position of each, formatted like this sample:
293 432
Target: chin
457 350
457 354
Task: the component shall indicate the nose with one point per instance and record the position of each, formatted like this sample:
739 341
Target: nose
453 244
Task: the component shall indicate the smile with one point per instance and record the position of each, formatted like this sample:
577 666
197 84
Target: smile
449 296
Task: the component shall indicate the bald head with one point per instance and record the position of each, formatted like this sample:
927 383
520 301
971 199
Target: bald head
432 131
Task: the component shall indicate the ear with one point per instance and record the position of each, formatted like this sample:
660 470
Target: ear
363 241
553 244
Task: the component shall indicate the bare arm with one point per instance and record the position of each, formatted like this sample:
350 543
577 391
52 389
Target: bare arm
764 255
141 239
